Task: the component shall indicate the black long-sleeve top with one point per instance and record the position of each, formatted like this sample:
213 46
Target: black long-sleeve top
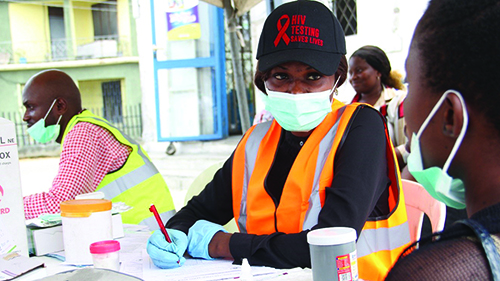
454 254
359 190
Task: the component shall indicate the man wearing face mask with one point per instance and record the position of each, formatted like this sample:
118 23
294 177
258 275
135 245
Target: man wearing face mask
318 164
95 155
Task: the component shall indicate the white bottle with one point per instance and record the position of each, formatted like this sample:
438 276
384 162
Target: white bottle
246 271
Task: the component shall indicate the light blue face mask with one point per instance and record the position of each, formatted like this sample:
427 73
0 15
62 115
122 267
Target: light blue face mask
299 112
44 134
435 179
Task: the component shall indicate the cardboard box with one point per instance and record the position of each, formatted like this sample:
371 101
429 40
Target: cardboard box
45 240
12 223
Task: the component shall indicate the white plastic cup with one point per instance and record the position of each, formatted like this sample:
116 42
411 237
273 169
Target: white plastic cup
105 254
333 254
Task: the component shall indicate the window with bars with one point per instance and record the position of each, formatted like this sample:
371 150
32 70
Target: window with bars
345 10
112 101
105 19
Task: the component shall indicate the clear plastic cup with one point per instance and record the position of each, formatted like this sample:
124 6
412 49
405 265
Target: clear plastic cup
105 254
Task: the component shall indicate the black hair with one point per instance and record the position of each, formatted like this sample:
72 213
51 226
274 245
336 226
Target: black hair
261 76
378 59
458 41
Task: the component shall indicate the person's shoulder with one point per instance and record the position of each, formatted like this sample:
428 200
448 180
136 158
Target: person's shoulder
367 113
86 131
450 259
86 126
397 95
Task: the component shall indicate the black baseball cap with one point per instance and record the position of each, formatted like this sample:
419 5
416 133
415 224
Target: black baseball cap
304 31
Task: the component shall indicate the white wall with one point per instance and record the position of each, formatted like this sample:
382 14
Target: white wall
142 14
388 24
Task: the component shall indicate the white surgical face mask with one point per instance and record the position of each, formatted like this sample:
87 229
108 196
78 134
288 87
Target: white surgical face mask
435 179
300 112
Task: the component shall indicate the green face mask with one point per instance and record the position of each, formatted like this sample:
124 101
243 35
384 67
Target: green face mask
44 134
435 179
298 112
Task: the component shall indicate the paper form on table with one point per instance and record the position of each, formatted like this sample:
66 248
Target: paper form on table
203 270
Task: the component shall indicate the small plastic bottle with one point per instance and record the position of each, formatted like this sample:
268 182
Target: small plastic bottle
246 271
105 254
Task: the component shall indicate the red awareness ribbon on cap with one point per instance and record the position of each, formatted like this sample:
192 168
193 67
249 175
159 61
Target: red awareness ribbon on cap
282 30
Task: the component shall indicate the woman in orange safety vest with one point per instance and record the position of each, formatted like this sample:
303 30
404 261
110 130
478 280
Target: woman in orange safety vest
318 164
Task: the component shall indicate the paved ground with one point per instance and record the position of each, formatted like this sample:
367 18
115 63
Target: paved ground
179 170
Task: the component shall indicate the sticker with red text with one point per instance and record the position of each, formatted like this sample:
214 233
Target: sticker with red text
345 266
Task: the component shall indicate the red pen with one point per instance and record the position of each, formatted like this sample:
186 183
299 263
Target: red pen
160 223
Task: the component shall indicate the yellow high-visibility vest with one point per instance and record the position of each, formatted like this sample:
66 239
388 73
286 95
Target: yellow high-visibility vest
137 183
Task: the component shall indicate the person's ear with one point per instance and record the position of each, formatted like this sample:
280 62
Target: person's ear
453 116
61 106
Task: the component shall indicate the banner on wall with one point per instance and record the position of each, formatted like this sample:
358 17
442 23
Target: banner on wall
183 22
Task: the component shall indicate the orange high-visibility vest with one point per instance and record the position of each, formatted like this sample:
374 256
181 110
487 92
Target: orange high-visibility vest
382 239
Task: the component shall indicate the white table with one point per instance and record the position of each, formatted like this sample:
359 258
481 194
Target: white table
135 262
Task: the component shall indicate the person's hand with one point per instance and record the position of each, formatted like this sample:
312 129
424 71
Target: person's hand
164 254
199 236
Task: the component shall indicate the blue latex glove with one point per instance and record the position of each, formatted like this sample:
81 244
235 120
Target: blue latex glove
199 236
164 254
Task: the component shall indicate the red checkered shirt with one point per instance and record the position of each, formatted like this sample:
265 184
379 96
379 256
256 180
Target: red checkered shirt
89 153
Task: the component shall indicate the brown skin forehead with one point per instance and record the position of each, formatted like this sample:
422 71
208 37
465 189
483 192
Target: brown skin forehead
51 81
35 91
50 84
356 61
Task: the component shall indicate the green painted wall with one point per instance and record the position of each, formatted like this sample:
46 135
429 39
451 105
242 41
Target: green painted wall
11 88
88 77
5 26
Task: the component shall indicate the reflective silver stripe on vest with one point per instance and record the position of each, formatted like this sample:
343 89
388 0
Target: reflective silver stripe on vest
380 239
311 218
153 224
251 150
134 177
129 180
